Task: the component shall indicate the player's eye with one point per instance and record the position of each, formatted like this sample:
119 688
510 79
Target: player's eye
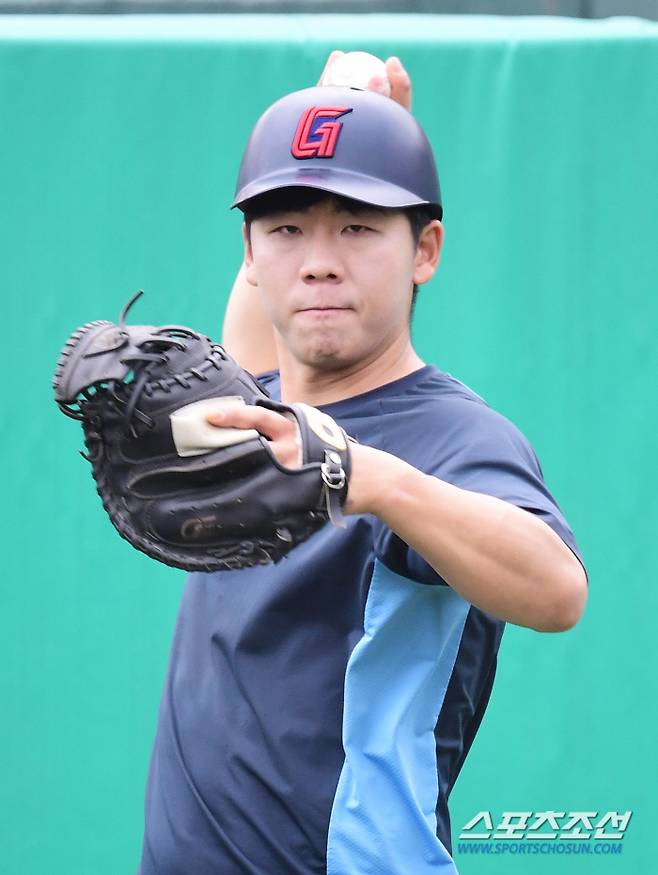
357 229
286 230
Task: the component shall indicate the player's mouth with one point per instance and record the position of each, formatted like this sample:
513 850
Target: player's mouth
324 313
324 309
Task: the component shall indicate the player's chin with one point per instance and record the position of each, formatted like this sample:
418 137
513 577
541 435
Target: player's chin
326 357
326 346
320 338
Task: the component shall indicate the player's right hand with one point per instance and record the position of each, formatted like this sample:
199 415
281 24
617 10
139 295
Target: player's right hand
397 76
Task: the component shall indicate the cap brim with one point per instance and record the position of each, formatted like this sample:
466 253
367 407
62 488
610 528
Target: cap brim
357 186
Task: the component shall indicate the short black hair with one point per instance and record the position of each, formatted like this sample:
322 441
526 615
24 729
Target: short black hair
304 197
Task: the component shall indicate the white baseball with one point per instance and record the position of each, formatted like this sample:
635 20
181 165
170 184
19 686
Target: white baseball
355 70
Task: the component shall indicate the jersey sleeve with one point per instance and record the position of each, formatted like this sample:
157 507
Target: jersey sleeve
486 453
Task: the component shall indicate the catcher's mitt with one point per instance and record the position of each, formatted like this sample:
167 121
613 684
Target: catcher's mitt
188 494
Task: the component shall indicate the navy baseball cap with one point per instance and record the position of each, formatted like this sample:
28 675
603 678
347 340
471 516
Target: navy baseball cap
347 141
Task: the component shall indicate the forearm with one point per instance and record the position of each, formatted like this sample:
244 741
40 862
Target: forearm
247 333
499 557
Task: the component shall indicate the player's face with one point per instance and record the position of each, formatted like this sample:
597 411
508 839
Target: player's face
336 285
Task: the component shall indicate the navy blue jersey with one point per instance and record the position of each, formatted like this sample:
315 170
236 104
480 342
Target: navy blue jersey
317 711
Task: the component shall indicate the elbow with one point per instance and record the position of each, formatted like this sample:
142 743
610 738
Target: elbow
568 599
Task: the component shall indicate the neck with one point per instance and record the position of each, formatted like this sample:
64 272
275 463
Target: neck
303 383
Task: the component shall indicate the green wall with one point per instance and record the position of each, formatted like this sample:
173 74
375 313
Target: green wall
120 143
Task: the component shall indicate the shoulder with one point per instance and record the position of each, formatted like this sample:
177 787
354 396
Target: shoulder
482 427
444 419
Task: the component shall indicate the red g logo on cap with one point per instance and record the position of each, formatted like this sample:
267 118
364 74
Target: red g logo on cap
315 138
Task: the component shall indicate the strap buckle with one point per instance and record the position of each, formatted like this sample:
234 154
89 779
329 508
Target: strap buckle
332 470
334 478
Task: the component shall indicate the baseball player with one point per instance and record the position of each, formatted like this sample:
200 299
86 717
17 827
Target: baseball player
317 711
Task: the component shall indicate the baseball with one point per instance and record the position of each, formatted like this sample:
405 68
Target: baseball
355 70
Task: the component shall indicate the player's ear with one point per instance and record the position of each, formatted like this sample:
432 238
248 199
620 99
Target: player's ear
250 272
428 252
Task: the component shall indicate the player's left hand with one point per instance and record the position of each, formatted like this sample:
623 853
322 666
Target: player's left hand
282 433
285 443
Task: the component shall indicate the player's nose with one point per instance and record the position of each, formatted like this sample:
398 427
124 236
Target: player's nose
321 258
